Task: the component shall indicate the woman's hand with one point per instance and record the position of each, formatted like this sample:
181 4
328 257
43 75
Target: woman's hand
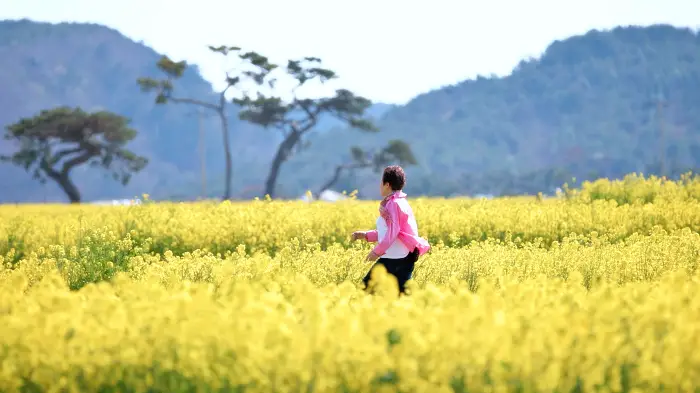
358 235
371 257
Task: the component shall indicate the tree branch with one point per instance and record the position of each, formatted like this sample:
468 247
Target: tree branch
338 170
63 153
194 102
222 95
50 172
311 116
79 160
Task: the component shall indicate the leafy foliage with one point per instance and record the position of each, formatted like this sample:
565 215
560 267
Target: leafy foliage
54 142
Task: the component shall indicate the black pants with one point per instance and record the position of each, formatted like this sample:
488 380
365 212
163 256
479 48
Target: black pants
402 269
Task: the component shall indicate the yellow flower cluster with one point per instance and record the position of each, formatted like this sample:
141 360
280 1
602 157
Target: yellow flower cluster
637 188
265 226
517 295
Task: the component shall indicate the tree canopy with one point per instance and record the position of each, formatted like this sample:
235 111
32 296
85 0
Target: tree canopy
297 117
53 143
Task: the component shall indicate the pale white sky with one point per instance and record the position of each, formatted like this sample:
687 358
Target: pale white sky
387 50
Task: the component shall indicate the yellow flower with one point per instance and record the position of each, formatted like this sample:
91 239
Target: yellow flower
595 291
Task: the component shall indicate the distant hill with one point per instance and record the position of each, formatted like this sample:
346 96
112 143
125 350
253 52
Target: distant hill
585 108
45 65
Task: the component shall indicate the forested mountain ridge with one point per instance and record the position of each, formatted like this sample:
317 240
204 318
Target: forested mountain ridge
601 104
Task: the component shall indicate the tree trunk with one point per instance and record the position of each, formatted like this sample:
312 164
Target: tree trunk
336 175
63 180
227 155
332 180
69 188
283 151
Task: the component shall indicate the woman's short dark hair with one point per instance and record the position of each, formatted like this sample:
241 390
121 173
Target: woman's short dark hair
395 176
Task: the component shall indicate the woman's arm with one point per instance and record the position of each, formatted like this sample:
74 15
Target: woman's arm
371 236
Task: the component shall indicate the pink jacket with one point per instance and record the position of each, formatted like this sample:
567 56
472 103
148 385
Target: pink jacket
396 216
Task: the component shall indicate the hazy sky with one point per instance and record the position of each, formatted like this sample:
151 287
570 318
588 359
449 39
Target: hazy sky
387 50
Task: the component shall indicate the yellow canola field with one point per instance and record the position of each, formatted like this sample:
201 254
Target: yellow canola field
287 335
583 315
587 293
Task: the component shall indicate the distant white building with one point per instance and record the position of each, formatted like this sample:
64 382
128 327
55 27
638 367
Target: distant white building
117 202
326 196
